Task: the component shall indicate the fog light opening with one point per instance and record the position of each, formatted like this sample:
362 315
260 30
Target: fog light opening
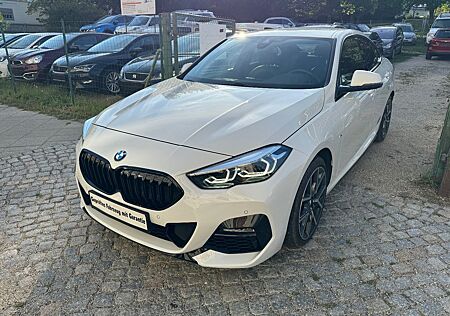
244 224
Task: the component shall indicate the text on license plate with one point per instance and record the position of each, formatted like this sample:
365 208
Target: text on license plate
119 212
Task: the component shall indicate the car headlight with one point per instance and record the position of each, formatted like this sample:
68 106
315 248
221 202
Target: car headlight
83 68
252 167
34 60
87 127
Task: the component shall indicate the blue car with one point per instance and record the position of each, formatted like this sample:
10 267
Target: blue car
107 24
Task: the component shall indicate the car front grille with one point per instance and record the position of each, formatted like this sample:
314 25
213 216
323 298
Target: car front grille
59 68
135 76
145 188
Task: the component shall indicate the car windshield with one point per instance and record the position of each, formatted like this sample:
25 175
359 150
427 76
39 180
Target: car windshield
407 28
385 33
139 21
443 34
106 19
56 42
24 42
363 28
112 44
189 45
8 37
266 62
441 23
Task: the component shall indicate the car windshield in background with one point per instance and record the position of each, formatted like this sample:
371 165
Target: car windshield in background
139 21
113 44
7 38
443 34
106 19
364 28
56 42
24 42
441 24
385 33
407 28
266 62
189 45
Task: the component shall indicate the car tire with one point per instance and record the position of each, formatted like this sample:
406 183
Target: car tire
308 205
111 81
385 122
428 56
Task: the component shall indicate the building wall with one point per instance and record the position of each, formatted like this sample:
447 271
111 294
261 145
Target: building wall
15 14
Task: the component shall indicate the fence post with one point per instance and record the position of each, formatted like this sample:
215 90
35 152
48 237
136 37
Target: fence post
66 52
166 46
13 80
176 64
443 149
152 70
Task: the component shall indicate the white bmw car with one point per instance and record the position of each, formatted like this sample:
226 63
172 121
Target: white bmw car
232 159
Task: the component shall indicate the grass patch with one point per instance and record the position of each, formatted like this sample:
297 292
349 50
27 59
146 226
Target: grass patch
410 51
54 100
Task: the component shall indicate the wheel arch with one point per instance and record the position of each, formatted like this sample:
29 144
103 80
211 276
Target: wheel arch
327 156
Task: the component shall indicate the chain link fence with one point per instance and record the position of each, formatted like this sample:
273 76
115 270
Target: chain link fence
84 64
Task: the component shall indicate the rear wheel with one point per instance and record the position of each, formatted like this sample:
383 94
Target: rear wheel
385 122
308 205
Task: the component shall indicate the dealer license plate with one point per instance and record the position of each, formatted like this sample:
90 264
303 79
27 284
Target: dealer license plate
119 212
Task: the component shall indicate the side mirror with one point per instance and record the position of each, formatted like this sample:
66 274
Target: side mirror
185 67
362 81
74 49
136 51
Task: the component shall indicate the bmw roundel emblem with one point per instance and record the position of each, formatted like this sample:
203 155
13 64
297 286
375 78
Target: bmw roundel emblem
120 155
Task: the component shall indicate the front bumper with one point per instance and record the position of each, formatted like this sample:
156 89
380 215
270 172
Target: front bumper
207 209
27 72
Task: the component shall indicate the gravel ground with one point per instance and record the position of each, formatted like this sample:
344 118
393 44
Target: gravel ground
382 246
399 165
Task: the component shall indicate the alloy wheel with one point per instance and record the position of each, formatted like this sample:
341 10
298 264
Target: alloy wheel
312 203
112 82
386 121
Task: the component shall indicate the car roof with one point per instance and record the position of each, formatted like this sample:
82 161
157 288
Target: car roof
313 32
384 27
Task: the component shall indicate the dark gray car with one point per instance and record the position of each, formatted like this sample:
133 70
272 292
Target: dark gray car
392 37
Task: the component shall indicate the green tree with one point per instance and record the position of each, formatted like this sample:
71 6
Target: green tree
74 12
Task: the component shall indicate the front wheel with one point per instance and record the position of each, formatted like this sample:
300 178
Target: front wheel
111 82
385 122
308 205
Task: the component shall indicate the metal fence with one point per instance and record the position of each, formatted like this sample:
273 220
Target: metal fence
80 63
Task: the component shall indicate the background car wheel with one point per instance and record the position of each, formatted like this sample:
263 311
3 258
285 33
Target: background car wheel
385 122
428 56
111 82
308 205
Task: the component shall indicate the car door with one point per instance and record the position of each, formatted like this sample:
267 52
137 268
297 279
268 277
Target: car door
357 107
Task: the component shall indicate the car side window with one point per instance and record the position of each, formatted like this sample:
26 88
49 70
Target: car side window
358 53
146 43
85 42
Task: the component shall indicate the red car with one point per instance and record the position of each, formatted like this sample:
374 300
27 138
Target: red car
440 44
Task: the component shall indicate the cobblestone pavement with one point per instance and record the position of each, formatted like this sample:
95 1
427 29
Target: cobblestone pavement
370 255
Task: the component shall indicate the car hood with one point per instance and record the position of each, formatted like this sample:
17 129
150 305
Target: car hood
31 52
223 119
80 58
409 34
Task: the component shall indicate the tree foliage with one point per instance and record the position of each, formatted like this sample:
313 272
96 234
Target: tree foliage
74 12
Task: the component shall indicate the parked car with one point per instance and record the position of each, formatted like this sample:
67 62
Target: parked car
228 161
10 38
34 64
133 75
100 65
392 37
440 44
442 22
18 46
108 24
283 21
376 39
141 24
408 32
